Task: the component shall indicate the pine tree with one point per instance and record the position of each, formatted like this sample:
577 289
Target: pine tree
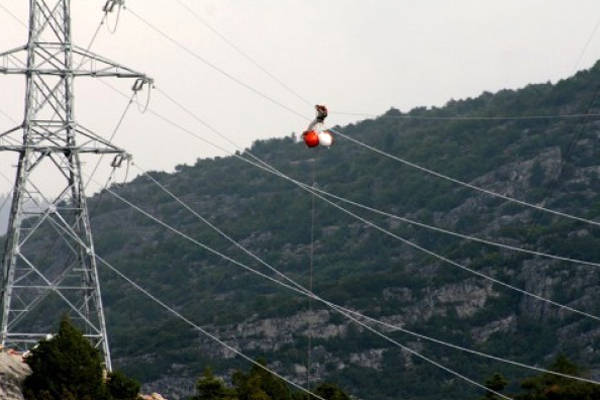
122 387
329 391
497 383
259 384
65 367
210 387
552 387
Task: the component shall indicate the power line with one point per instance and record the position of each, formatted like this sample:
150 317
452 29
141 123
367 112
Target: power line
407 220
454 263
243 53
413 165
534 117
212 144
469 118
213 66
309 293
423 169
388 233
8 117
187 237
202 330
463 183
13 16
300 289
467 378
456 234
587 43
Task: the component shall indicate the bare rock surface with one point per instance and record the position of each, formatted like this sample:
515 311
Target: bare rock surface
13 372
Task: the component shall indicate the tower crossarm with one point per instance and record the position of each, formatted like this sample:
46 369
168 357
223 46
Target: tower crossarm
46 138
48 149
85 62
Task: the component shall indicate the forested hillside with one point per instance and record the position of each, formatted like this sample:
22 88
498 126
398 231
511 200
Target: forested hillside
549 161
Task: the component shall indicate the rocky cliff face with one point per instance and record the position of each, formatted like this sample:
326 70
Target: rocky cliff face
551 161
13 372
462 302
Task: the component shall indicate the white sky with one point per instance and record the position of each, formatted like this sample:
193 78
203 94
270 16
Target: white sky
353 55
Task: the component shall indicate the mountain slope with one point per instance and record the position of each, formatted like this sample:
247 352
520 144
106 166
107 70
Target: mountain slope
554 161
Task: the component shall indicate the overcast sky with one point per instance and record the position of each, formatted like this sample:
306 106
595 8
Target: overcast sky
355 56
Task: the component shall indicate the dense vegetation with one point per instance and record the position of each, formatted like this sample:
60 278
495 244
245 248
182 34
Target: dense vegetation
69 367
259 384
546 160
547 386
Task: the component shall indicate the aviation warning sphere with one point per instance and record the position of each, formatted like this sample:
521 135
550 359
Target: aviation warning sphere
325 139
311 138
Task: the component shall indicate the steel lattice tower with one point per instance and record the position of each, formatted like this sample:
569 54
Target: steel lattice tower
51 143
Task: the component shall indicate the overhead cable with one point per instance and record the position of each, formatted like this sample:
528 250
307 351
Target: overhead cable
345 200
8 116
451 262
455 234
187 237
469 118
408 163
243 53
309 293
381 152
299 288
585 47
399 238
112 136
202 330
213 66
13 16
303 99
249 359
182 317
463 183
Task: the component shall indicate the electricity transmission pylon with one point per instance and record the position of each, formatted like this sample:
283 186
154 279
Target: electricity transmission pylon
50 144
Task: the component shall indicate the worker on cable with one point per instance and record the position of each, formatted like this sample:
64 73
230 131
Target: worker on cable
314 134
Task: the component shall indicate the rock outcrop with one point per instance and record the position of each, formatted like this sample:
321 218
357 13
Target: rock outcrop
13 372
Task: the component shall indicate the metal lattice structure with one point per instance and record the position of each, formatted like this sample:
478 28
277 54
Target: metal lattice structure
50 144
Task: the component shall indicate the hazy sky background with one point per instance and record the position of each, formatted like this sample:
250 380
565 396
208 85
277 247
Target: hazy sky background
353 55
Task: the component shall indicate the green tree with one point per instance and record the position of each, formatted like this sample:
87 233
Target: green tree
329 391
209 387
122 387
259 384
552 387
64 367
497 383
